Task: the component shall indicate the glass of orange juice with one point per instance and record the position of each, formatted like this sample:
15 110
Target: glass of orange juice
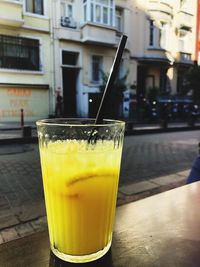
80 164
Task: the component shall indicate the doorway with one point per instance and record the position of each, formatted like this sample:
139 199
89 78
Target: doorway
94 102
69 91
141 80
70 70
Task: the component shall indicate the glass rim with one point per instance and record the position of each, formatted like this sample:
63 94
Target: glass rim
64 122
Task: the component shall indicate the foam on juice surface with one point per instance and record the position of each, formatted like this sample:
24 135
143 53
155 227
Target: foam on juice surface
80 184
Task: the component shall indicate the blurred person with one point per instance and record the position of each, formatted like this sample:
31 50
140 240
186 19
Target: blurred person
59 104
194 174
165 114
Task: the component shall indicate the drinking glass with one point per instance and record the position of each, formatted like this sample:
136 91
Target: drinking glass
80 164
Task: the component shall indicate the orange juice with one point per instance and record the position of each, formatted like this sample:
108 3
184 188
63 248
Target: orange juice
80 185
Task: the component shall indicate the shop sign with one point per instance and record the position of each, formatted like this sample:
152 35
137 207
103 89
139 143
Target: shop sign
33 101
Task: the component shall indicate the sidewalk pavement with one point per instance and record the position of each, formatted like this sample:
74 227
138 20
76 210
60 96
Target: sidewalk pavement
127 193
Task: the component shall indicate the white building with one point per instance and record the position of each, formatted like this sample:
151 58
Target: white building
165 48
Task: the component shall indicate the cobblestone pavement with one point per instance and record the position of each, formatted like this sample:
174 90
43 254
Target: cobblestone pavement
21 195
154 155
145 157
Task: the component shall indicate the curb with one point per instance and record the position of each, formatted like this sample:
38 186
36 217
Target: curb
160 130
23 229
19 140
136 191
125 199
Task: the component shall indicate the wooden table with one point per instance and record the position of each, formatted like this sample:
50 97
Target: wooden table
162 230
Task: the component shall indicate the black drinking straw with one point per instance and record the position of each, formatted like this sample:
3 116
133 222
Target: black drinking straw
111 78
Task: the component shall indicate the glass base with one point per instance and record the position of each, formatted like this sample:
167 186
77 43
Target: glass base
81 259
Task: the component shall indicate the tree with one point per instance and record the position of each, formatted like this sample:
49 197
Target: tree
193 82
115 96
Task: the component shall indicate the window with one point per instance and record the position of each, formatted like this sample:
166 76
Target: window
96 68
118 19
181 44
105 15
121 70
70 11
85 13
19 53
67 16
164 35
66 10
151 33
99 11
69 58
35 6
198 58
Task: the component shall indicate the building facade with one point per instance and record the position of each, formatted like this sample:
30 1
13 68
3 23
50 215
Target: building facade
26 64
197 55
160 48
86 35
165 47
64 45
